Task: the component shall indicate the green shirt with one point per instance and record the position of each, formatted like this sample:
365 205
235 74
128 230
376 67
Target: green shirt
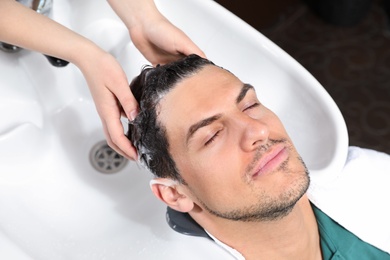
339 243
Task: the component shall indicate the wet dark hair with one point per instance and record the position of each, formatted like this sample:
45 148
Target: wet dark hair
146 133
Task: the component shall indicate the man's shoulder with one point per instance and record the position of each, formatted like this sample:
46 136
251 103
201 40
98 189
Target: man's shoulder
338 241
357 198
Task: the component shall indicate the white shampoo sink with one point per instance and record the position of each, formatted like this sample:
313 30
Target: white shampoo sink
54 205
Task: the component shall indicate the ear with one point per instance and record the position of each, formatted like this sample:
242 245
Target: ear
167 191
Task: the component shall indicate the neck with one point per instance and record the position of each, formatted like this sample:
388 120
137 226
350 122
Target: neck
295 236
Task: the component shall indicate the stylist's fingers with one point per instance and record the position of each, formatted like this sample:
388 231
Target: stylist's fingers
113 100
187 47
113 126
122 92
117 140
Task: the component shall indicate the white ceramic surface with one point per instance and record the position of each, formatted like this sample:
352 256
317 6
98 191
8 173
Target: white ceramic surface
54 205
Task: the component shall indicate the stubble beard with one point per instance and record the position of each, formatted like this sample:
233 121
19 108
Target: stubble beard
269 208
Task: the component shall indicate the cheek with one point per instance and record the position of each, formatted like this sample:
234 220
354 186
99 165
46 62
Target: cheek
212 176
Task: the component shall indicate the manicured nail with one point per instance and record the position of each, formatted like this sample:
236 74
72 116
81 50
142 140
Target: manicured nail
133 114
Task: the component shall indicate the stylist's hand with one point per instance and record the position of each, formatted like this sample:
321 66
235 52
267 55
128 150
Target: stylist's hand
160 41
109 87
106 80
155 37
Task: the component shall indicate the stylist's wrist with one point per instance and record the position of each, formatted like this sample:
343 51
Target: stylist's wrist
84 53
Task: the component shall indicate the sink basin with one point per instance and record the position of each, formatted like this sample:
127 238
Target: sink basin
55 205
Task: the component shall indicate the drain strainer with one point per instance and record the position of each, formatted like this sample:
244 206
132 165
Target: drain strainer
104 159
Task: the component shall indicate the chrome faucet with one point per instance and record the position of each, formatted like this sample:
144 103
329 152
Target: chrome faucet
43 7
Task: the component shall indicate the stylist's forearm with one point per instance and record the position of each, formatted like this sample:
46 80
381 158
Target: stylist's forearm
25 28
133 11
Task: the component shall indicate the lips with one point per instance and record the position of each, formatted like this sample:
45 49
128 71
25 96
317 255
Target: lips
270 161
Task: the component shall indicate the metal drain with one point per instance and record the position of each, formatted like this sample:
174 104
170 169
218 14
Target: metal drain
105 160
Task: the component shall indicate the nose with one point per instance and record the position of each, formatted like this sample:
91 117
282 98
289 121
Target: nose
254 133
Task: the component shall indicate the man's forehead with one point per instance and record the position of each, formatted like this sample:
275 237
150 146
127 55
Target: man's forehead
200 89
209 80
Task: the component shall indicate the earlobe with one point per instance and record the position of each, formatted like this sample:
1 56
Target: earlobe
166 190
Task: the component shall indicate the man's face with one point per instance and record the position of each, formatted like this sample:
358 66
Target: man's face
233 153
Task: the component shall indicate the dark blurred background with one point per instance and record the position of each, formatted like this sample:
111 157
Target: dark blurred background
345 45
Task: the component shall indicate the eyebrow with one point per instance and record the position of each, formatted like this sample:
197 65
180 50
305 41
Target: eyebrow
207 121
243 92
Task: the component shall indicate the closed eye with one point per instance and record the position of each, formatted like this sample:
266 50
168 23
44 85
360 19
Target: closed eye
252 106
212 139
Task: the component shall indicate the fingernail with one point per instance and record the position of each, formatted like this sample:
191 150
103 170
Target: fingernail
133 114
